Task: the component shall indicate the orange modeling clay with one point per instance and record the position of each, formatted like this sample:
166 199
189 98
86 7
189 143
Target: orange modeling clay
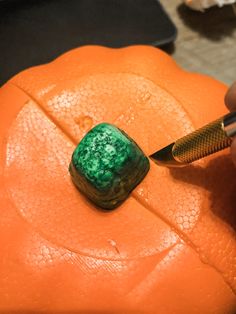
169 248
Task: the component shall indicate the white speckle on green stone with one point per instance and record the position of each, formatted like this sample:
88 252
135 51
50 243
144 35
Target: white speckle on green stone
107 165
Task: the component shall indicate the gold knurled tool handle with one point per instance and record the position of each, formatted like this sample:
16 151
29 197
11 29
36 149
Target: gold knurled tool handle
207 140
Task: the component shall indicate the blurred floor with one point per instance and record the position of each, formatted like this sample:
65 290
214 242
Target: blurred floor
206 42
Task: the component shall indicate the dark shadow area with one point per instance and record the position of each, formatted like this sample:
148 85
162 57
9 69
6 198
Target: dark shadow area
168 48
219 178
214 23
35 32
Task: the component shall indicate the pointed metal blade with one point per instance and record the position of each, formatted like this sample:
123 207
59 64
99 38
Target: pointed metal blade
164 157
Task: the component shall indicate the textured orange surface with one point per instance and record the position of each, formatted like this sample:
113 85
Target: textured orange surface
170 248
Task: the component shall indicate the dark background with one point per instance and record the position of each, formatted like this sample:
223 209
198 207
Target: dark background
33 32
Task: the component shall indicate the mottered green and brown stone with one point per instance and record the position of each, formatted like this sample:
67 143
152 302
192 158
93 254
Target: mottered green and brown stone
107 165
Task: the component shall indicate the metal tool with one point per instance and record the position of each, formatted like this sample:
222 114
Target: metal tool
205 141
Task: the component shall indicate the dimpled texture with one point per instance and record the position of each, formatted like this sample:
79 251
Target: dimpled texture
169 248
107 165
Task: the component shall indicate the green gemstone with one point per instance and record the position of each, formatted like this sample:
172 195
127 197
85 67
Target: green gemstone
107 165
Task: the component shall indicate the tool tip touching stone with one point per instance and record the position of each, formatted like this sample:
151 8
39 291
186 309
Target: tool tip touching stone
107 165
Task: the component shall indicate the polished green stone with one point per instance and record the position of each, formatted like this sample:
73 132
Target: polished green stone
107 165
